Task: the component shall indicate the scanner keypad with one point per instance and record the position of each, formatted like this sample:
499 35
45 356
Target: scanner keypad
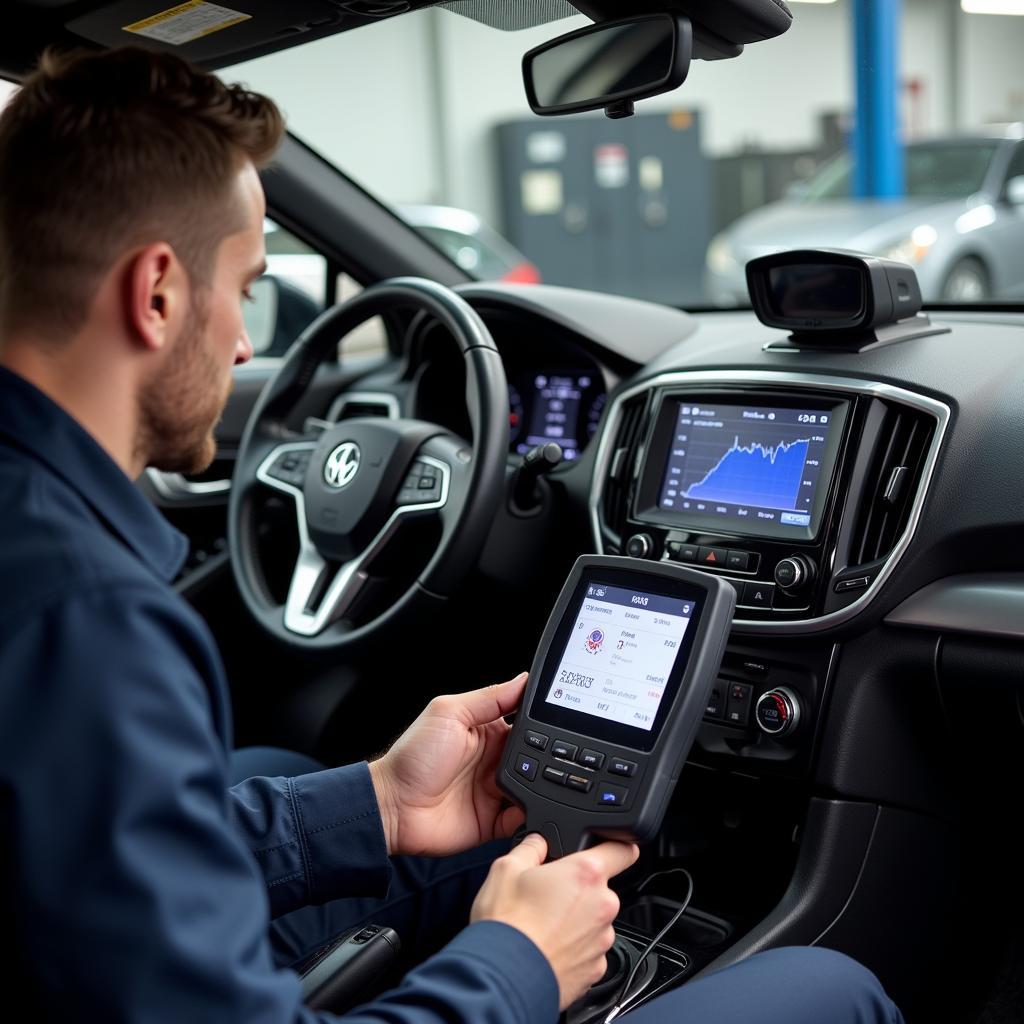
577 769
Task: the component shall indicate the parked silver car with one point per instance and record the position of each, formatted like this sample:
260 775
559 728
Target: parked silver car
960 225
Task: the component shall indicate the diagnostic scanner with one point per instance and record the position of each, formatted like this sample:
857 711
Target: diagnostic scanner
616 694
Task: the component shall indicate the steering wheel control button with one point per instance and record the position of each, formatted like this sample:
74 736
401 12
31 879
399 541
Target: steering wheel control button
758 595
566 751
619 767
555 775
639 545
738 561
526 766
778 711
714 557
537 739
591 758
290 467
611 796
579 782
737 710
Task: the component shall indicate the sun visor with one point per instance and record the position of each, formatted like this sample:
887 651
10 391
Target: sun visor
208 33
721 28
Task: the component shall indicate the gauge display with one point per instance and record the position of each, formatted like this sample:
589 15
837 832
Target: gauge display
562 406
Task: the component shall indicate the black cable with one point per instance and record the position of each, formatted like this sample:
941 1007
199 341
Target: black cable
624 991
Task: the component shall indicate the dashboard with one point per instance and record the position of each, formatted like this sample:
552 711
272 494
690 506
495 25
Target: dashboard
557 388
828 488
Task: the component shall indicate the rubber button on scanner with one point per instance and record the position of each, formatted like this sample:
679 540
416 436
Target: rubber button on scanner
537 739
566 751
526 766
591 758
578 782
555 775
611 796
620 767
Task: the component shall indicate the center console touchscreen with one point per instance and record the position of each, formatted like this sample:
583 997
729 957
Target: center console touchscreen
616 694
757 468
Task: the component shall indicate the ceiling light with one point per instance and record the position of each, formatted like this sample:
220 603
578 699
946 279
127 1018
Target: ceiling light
993 6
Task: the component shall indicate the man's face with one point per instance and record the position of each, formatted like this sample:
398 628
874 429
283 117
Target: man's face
181 405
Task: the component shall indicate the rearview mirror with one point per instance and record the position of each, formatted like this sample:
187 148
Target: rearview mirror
609 65
1015 190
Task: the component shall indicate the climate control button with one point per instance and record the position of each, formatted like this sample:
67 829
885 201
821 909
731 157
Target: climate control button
778 712
794 573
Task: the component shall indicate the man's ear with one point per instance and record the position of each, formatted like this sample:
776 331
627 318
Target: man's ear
157 286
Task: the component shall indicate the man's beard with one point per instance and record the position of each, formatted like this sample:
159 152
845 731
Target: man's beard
179 408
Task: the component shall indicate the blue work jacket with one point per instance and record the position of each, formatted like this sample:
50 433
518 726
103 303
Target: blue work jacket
136 886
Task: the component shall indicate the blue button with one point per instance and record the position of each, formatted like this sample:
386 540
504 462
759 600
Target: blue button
612 796
526 766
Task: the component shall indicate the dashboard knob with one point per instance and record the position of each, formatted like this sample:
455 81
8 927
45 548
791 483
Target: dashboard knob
639 545
778 712
795 572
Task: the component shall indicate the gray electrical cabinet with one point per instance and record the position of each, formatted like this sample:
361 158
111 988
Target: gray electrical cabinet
616 206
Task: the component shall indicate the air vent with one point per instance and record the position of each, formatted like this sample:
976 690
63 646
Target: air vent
892 482
360 404
620 473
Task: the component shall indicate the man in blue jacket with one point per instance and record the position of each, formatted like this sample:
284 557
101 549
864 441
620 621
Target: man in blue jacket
137 885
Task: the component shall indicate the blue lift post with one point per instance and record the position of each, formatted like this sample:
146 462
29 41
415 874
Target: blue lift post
877 144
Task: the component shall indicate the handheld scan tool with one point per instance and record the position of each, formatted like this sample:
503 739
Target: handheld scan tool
617 691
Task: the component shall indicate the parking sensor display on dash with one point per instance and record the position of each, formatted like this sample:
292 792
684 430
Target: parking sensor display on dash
619 656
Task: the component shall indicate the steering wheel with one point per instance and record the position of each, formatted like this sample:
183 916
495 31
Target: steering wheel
356 484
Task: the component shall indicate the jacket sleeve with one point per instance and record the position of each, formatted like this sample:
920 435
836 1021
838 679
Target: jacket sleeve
316 837
133 893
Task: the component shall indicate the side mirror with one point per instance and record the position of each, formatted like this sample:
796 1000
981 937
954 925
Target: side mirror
261 314
1015 191
609 65
279 312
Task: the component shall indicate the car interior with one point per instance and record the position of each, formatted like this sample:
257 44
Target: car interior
832 795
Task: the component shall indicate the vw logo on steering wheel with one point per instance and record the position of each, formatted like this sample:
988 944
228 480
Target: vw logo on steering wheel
342 465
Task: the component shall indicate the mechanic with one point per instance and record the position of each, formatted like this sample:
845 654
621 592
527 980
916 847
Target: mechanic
137 885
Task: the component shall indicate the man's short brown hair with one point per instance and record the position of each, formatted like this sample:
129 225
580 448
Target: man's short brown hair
100 152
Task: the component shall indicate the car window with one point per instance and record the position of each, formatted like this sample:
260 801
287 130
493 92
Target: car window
293 294
1016 168
931 170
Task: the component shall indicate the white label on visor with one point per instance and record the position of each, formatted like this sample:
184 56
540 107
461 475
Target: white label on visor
186 22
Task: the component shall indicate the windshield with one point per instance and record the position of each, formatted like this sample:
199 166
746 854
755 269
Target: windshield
427 111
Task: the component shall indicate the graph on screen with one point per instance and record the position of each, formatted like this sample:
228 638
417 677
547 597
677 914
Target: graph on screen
746 462
754 474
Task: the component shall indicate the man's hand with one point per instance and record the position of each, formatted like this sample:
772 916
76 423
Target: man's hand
436 786
564 907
